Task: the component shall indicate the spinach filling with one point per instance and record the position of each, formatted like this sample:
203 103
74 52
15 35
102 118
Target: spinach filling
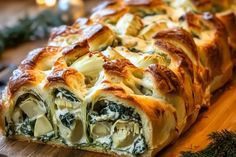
61 92
27 127
108 111
143 13
144 90
67 119
47 137
113 110
140 146
9 129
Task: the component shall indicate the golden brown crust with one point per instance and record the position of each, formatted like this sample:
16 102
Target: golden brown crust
94 30
181 36
37 58
64 31
211 39
202 5
23 78
109 11
117 67
71 53
165 79
177 55
228 18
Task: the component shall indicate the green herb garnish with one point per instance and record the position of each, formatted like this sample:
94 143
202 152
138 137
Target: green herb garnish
223 144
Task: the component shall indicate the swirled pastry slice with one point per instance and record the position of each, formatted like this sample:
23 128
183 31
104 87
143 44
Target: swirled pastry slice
67 89
28 113
119 123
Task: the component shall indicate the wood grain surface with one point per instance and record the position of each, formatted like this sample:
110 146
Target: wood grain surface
220 115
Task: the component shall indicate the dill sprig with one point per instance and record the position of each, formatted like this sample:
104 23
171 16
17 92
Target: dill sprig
223 144
29 29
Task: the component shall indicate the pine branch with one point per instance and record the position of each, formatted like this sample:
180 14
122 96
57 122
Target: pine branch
223 144
28 29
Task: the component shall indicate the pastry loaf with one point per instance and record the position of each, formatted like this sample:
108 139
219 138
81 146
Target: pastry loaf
127 81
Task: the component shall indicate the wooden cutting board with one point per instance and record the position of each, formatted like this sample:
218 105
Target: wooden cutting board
221 115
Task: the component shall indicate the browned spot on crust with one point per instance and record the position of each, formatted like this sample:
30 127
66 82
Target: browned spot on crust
37 56
114 88
117 67
92 32
181 36
192 20
214 59
159 112
211 49
98 54
111 14
60 75
201 3
177 55
109 11
21 78
64 31
73 52
207 20
228 18
215 23
165 79
71 49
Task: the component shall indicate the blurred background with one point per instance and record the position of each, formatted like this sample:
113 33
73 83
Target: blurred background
25 25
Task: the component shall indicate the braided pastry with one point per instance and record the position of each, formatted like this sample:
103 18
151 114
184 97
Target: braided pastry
129 80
